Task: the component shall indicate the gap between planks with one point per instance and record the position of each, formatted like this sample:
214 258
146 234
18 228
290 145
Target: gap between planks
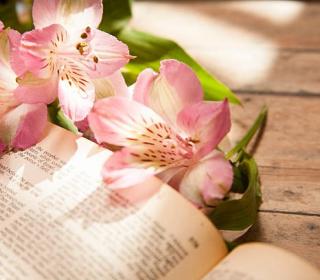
298 213
270 93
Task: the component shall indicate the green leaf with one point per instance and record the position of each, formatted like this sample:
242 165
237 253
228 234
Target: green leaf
257 125
117 14
58 117
150 50
240 181
9 16
231 245
239 214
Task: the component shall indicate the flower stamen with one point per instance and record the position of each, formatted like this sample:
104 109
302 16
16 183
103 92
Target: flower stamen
80 47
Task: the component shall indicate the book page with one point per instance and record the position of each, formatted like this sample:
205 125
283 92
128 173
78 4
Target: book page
259 261
58 220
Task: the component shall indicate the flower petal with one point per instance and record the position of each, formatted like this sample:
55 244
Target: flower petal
7 75
143 86
38 46
208 181
70 14
206 123
119 121
23 126
76 95
16 61
107 55
122 171
7 102
1 25
2 147
32 89
171 175
175 87
113 85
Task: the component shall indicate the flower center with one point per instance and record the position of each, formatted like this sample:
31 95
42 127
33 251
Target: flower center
162 147
83 47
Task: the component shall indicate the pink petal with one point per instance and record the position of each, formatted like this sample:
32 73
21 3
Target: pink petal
169 175
208 181
121 170
144 85
1 25
183 80
206 123
23 126
4 49
107 56
7 102
113 85
137 194
32 89
70 14
118 83
175 87
37 45
16 61
2 147
76 99
7 75
82 125
118 120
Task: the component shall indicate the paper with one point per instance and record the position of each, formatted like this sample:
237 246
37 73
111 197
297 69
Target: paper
58 220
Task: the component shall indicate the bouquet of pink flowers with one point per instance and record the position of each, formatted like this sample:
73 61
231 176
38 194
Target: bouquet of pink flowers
142 96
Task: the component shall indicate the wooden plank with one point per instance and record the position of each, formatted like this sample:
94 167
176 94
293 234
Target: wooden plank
292 190
245 50
287 24
298 234
291 138
287 71
289 152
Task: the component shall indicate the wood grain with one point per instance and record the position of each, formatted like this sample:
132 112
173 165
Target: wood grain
287 24
289 152
289 71
239 45
292 135
290 190
296 233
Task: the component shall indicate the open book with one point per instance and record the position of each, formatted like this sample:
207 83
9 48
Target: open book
58 221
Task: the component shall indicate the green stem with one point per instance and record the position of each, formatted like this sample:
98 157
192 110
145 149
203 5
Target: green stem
243 143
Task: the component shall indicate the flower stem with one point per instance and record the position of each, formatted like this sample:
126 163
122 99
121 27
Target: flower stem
243 143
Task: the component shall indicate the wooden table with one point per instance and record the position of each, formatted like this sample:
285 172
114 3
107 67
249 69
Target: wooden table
268 53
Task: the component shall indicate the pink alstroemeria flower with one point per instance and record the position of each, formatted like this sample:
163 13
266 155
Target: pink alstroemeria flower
166 130
66 53
21 125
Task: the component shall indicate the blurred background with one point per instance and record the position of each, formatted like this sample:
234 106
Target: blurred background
249 45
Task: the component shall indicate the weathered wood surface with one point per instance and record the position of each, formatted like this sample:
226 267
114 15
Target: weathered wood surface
272 60
296 233
288 154
247 44
286 74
